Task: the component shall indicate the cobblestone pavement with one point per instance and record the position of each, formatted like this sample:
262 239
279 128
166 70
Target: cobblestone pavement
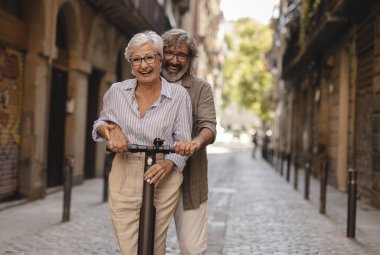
252 210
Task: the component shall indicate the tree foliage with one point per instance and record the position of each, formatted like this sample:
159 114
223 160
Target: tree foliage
246 79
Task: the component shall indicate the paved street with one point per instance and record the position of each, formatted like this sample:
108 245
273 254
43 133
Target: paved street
252 210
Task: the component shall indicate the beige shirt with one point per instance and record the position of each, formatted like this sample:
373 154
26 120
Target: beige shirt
195 186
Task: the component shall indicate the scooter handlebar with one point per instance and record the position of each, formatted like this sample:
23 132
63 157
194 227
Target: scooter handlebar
157 147
166 149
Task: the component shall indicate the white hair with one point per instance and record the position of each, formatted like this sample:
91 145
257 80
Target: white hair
142 38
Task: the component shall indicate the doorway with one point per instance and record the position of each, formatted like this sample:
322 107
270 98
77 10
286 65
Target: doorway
57 120
92 115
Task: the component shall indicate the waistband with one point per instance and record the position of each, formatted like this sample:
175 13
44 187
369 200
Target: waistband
140 156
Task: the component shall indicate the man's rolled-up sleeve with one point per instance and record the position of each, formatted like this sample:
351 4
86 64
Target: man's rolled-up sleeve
206 115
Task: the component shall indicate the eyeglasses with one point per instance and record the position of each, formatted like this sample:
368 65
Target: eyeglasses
148 58
181 57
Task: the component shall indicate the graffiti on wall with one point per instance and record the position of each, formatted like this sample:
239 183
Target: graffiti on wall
11 77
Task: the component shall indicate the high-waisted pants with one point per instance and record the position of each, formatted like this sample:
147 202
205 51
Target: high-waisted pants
125 199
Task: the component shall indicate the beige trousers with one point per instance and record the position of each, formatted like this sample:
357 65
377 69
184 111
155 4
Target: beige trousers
126 188
191 228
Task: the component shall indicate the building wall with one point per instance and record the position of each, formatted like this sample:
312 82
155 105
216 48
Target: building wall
368 115
11 88
341 110
326 110
38 40
364 105
375 196
13 37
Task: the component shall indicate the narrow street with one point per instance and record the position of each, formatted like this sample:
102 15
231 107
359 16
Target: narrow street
252 210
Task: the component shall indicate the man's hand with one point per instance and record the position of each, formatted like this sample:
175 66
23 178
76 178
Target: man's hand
187 148
104 130
156 173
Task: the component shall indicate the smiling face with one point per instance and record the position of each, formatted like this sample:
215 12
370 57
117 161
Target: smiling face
146 64
176 62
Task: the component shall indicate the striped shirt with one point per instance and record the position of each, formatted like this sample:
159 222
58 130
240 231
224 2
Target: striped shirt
169 118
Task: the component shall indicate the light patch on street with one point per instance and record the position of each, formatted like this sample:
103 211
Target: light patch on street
223 190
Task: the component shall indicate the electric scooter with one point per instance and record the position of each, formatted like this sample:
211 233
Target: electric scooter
148 211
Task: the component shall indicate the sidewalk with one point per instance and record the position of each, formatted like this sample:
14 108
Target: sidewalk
20 217
367 217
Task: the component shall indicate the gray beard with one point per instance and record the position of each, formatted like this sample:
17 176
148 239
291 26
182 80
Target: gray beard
173 77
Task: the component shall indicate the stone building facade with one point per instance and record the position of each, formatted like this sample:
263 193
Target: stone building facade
57 58
328 89
203 21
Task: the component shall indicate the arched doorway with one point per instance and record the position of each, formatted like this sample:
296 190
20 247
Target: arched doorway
58 98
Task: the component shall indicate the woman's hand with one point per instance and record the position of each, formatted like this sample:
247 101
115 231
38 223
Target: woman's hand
117 141
157 172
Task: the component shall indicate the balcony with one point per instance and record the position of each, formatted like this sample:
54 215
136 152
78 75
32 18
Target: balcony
292 12
131 16
328 21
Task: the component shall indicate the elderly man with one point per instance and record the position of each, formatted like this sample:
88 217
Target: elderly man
180 52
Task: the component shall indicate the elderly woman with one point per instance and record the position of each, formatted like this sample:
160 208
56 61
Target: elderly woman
144 108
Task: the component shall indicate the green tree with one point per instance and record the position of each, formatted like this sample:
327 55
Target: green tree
246 78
